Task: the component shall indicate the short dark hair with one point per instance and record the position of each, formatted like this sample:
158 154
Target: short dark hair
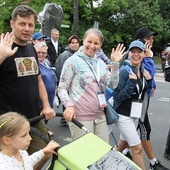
73 37
23 11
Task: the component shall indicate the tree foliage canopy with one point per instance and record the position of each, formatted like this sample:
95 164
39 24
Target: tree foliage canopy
118 19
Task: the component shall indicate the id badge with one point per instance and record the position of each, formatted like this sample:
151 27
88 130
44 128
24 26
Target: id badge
102 99
136 109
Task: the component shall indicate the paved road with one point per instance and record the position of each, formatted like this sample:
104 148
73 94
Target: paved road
159 117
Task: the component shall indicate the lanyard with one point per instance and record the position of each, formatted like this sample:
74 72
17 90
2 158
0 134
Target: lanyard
97 75
143 86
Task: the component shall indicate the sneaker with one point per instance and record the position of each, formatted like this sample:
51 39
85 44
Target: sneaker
128 155
167 156
63 122
158 166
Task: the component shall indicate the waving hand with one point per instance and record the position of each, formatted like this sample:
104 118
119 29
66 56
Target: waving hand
117 54
6 50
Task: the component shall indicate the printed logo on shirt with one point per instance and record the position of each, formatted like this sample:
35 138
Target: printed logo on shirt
26 66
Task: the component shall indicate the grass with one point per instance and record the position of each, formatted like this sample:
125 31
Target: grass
157 60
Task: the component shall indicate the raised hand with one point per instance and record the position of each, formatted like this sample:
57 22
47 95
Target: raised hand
148 52
117 55
6 41
147 75
132 75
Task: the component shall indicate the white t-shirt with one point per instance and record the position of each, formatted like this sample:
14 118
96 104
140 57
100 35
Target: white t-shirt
11 163
55 45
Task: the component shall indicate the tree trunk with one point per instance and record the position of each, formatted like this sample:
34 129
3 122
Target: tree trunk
75 19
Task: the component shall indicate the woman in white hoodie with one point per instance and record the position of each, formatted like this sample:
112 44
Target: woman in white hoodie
82 83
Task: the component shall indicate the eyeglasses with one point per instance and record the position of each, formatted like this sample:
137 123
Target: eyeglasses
43 53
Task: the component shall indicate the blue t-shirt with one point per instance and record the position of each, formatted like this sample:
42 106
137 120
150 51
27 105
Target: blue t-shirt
49 79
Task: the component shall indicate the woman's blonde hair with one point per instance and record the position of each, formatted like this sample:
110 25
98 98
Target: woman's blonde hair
10 124
96 32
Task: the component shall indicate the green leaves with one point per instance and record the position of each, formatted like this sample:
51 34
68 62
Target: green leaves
118 19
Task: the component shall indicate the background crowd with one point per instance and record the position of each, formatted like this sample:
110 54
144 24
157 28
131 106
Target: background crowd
78 77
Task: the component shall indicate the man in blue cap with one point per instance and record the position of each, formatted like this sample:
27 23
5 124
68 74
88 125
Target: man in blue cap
38 37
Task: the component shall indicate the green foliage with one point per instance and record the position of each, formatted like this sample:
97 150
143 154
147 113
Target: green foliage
118 19
6 9
165 14
157 59
125 17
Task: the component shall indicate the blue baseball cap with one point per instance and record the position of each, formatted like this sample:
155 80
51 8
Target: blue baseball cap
38 35
137 44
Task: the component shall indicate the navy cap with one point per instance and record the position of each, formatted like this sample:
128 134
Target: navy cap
143 32
137 44
38 35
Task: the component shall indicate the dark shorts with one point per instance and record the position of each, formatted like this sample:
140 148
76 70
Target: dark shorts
144 127
37 143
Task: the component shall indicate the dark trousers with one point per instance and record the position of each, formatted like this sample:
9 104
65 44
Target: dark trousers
167 149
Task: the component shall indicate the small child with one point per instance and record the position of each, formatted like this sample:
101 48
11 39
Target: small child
14 141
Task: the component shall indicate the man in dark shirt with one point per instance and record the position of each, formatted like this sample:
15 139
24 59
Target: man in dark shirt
21 82
55 48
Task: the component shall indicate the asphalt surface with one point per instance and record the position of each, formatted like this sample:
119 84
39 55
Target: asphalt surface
160 124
